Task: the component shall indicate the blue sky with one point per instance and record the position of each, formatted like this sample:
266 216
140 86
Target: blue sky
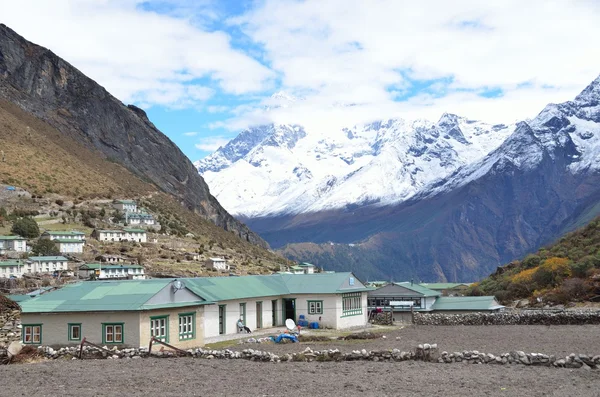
205 69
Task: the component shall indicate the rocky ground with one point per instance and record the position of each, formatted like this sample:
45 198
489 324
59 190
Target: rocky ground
558 340
195 377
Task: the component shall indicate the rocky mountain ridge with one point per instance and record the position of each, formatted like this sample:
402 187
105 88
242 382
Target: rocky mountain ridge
48 87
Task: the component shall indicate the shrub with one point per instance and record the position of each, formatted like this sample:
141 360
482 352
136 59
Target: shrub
26 227
60 202
44 247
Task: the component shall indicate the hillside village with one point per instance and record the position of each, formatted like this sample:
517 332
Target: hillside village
103 238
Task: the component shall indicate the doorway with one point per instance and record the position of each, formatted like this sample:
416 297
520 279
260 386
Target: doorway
258 314
274 313
222 317
289 309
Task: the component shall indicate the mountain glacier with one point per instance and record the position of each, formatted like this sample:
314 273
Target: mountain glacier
287 169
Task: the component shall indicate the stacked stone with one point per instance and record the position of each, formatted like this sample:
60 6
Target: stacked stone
530 317
10 327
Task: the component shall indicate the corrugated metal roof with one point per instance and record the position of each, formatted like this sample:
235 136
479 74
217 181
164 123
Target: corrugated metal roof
12 238
134 230
10 263
124 201
97 296
227 288
63 233
418 288
441 286
47 258
68 240
466 303
93 266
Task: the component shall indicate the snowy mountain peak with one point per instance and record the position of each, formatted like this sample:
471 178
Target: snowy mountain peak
591 94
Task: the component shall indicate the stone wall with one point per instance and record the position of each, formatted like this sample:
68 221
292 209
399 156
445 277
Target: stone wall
10 327
537 317
425 352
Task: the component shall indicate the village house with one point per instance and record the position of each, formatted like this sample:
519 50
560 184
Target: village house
125 205
111 258
12 243
67 242
141 219
448 289
46 264
219 264
184 312
125 234
307 268
406 297
295 269
12 269
102 271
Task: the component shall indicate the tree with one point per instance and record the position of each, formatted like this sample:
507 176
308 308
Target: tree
26 227
45 247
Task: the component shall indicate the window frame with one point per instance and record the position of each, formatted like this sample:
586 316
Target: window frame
70 330
24 333
113 342
352 304
189 335
164 338
318 307
243 312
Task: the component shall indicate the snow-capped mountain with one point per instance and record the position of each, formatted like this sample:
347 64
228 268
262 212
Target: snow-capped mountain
286 169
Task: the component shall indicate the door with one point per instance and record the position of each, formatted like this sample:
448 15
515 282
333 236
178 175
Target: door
258 314
289 309
222 320
274 312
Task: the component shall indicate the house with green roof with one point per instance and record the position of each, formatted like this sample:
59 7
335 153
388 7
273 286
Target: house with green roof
406 297
125 205
125 234
144 308
66 241
102 271
12 269
47 264
12 243
448 289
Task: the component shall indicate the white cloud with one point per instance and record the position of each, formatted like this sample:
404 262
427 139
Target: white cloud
193 133
210 144
365 52
138 55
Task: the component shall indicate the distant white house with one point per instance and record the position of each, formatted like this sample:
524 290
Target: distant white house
46 264
112 258
308 268
217 264
102 271
12 243
67 242
126 234
12 269
125 205
143 219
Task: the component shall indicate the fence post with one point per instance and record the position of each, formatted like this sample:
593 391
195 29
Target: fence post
81 348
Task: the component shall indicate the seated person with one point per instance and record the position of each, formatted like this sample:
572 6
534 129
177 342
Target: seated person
241 326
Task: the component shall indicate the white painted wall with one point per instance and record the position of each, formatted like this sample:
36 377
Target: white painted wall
76 248
352 321
232 314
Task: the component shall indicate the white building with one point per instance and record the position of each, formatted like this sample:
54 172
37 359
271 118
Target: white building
12 243
112 258
142 219
67 242
125 205
103 271
46 264
12 269
126 234
307 268
217 264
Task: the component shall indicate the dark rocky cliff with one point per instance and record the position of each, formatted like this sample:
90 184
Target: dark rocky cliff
50 88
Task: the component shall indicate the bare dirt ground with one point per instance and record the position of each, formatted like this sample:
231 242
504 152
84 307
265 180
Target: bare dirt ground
558 340
199 377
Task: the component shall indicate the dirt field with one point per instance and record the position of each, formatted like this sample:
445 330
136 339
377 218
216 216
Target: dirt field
558 340
198 377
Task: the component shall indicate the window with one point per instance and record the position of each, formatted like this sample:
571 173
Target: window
112 333
74 331
315 307
243 312
351 304
187 326
32 334
159 328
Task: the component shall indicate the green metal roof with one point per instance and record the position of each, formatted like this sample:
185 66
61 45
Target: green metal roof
68 240
466 303
47 258
124 201
134 230
12 238
306 264
64 233
296 267
418 289
93 266
18 297
96 296
109 230
10 263
442 286
132 295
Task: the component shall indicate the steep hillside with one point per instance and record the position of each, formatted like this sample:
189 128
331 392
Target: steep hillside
50 89
542 181
568 270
